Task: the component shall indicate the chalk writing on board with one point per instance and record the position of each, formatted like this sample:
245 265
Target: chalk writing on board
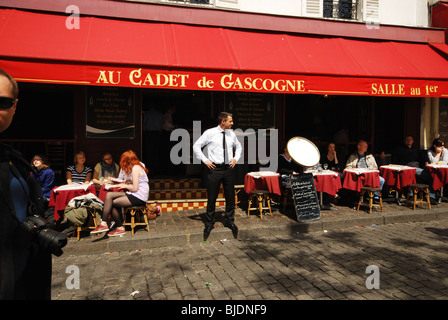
305 198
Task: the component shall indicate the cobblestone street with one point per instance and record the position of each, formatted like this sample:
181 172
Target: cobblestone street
412 261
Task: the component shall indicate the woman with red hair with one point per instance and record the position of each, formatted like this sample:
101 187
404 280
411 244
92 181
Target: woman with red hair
134 192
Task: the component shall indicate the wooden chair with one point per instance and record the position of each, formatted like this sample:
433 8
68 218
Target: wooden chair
238 188
370 194
287 197
135 213
259 196
92 223
419 191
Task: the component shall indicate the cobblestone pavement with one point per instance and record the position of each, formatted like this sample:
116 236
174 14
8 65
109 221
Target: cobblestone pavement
411 260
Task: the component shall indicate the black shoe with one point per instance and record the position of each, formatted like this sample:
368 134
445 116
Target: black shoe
207 231
234 229
434 202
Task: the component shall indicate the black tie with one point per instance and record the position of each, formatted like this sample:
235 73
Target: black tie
224 146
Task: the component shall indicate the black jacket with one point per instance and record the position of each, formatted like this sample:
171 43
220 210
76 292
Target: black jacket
25 268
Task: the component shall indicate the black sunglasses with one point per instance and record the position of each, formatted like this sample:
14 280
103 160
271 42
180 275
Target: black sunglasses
6 103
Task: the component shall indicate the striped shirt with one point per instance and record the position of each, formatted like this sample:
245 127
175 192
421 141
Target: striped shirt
79 177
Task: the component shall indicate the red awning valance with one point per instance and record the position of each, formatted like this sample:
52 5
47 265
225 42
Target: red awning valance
40 48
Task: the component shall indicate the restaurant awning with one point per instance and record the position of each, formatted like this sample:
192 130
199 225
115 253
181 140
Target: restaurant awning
38 47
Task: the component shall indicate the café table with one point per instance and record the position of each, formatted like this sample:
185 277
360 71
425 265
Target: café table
326 181
398 177
60 196
356 178
262 180
104 189
439 174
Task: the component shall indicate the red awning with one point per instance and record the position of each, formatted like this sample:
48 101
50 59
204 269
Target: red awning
40 48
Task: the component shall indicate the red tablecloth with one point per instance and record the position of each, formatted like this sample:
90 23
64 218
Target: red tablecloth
356 179
328 183
270 183
104 191
439 174
398 176
59 199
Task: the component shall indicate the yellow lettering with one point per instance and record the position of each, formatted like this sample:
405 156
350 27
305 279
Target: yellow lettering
431 89
248 83
388 89
102 77
165 77
271 83
225 81
204 83
255 85
111 77
228 81
183 77
148 80
133 74
238 84
282 87
415 91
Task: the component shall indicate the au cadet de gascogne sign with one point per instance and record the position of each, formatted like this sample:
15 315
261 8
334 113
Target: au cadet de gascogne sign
271 83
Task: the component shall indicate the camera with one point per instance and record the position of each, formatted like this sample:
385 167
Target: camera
49 239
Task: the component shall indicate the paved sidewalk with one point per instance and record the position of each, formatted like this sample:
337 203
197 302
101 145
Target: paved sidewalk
186 227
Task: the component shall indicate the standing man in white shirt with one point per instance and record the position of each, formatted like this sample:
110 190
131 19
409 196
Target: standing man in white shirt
224 151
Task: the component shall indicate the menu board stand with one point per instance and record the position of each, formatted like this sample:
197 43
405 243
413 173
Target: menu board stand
306 201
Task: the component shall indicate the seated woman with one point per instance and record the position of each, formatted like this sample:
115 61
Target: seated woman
105 169
437 154
330 158
132 194
44 175
79 172
330 161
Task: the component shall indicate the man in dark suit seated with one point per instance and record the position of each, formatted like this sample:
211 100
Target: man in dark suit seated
406 154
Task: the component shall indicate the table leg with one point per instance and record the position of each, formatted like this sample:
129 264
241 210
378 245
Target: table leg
397 199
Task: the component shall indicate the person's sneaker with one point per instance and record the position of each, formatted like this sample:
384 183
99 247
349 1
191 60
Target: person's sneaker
99 229
117 232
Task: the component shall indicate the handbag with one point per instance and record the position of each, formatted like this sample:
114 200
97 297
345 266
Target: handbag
152 211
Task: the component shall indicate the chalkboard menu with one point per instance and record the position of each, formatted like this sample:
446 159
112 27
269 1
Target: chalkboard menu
251 110
110 112
306 202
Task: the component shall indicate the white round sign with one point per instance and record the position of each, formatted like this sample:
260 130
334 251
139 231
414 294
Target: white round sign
303 151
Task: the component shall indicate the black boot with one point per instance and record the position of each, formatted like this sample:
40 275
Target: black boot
207 231
234 229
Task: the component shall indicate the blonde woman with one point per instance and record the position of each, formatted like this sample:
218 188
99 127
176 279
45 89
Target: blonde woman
79 172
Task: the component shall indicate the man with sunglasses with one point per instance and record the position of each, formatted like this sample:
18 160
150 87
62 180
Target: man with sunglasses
8 99
25 271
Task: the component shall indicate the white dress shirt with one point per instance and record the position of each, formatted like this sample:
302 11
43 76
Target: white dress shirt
212 139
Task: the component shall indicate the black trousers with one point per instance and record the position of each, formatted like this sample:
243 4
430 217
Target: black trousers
224 175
